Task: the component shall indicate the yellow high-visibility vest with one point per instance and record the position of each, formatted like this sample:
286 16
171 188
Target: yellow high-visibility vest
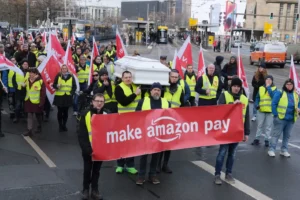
174 99
182 84
212 87
106 96
111 68
192 84
33 92
88 123
65 86
283 104
96 68
147 103
83 75
265 102
127 91
229 99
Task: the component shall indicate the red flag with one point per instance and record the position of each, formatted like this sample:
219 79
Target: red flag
55 46
21 39
73 39
68 60
30 37
201 64
49 68
242 74
185 53
178 67
121 50
44 38
294 76
6 64
95 53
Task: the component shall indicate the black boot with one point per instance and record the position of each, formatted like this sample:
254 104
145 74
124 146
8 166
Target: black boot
96 195
166 169
64 124
85 194
255 142
28 133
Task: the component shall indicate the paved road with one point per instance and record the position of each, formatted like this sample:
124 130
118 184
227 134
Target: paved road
26 175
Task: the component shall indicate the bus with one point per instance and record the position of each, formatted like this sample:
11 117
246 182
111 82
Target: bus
162 34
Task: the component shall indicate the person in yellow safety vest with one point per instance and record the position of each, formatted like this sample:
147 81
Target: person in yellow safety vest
207 86
107 87
12 90
127 95
263 103
150 103
285 109
175 96
191 78
42 50
186 89
35 51
83 71
170 64
65 86
91 169
97 63
77 55
108 64
234 95
34 100
110 53
18 82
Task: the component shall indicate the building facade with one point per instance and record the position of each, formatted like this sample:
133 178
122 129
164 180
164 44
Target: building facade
284 18
99 13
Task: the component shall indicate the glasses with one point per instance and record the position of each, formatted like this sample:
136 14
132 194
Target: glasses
174 76
98 101
95 75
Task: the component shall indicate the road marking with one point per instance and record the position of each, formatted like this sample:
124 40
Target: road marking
292 145
4 112
238 184
39 151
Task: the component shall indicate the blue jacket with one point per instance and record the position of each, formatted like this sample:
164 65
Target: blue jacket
289 115
187 90
4 77
271 93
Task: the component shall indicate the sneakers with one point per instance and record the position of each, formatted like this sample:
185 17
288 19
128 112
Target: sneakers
85 194
255 142
140 181
218 180
96 195
285 154
154 180
75 113
119 170
267 144
131 170
271 153
253 119
166 169
229 179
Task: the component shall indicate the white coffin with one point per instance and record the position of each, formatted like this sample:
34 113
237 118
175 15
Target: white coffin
144 71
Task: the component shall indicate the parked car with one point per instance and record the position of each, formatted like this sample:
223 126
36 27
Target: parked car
236 43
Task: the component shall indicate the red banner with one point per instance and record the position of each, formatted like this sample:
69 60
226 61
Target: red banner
148 132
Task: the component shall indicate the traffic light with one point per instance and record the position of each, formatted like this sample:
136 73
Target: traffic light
271 16
220 19
297 17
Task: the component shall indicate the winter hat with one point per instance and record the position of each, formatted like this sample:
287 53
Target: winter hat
156 85
103 71
262 65
219 59
236 81
270 77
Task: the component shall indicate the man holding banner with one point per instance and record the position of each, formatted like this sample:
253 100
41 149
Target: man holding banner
233 96
150 103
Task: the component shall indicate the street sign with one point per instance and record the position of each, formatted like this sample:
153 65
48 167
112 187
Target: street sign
268 28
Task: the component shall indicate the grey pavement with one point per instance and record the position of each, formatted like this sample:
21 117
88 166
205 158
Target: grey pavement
25 175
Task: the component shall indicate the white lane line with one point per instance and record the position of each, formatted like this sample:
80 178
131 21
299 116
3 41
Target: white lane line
292 145
39 151
238 184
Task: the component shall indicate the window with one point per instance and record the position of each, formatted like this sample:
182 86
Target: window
288 15
295 13
281 18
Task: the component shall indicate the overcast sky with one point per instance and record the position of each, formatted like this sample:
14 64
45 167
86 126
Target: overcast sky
199 12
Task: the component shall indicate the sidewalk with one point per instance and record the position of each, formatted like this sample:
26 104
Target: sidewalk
141 49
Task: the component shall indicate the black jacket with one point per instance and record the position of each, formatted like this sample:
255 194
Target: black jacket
122 98
229 69
155 104
103 88
257 84
83 135
20 56
222 100
65 100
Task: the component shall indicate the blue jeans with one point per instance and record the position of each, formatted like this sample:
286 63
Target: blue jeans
254 111
231 148
153 165
281 126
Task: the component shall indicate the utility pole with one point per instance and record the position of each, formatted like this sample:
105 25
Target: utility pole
297 22
147 29
65 8
27 14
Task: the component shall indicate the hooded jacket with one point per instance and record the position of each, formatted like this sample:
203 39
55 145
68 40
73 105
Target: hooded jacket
222 100
217 63
229 69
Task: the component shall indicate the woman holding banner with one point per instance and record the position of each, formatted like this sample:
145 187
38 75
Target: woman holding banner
91 169
65 86
34 100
